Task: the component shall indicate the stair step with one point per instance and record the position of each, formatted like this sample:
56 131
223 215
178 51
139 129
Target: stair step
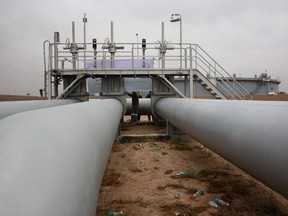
208 85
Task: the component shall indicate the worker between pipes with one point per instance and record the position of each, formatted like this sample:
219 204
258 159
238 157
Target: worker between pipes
135 106
139 96
149 96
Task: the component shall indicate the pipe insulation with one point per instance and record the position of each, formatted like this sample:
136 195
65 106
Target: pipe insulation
250 134
12 107
52 160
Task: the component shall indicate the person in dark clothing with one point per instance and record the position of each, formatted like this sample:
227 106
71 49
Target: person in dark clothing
149 96
41 92
135 105
139 116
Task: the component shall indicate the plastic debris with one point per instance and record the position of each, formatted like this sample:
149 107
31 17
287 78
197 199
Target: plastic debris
182 173
220 202
213 204
176 195
188 174
111 213
200 192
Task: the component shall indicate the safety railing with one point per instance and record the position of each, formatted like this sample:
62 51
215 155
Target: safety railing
108 56
217 74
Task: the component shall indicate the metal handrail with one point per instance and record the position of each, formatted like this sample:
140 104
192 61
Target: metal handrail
154 51
223 79
218 83
223 70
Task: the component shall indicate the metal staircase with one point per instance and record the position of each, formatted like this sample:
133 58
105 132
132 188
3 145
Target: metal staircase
208 85
210 74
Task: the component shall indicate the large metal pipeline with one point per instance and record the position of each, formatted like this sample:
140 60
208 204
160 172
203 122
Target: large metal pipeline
252 135
10 108
52 160
144 106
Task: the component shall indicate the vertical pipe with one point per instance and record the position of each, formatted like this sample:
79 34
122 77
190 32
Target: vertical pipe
56 40
45 83
137 47
162 46
74 46
112 32
180 42
50 73
94 44
84 21
112 44
45 68
73 32
143 57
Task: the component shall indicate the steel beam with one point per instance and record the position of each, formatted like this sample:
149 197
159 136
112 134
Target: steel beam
9 108
52 160
250 134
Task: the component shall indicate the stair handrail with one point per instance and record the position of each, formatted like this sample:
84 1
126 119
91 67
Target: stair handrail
221 84
216 70
206 81
225 83
221 77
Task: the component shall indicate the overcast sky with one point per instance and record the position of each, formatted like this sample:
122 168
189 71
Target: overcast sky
246 37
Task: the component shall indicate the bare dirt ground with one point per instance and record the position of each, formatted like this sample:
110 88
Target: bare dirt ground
19 98
141 179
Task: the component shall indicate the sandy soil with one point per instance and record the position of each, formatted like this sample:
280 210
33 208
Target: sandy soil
19 98
141 179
